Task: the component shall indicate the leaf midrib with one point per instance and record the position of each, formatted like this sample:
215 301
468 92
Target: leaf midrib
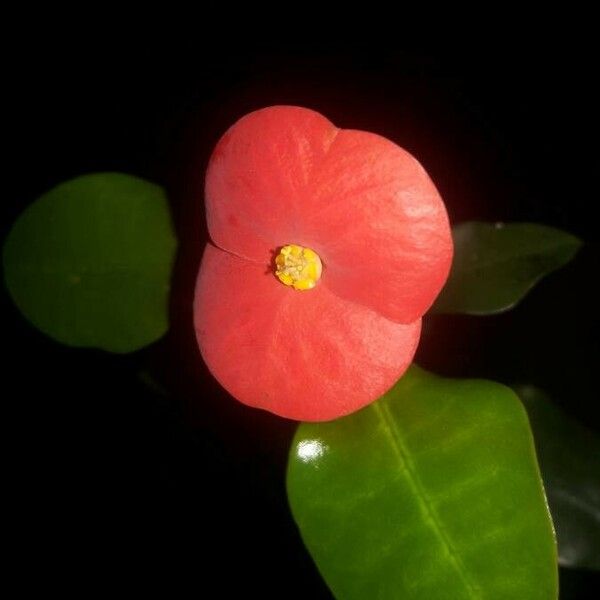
429 512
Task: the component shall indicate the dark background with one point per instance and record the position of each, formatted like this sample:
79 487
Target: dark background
134 472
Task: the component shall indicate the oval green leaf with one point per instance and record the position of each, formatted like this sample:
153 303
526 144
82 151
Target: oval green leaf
431 492
89 263
569 456
495 265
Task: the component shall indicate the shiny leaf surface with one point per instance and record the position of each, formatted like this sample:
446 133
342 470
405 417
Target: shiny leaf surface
89 263
431 492
495 265
569 456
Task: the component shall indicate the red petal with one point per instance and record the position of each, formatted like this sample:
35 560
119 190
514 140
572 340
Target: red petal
286 175
257 178
307 355
379 225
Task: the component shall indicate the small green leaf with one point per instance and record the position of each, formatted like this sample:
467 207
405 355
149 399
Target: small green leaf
431 492
569 457
89 263
495 266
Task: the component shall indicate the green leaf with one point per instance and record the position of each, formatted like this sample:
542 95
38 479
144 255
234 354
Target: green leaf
569 456
495 266
89 263
432 492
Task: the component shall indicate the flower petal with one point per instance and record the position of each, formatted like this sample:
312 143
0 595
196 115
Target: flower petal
379 225
257 178
303 355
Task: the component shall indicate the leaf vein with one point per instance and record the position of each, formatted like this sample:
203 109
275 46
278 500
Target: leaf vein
429 511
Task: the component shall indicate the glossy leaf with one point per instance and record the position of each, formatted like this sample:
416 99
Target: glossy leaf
431 492
569 456
495 265
89 263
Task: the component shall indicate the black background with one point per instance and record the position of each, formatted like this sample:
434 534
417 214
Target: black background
135 472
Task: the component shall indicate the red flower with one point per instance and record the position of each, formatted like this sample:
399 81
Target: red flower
286 194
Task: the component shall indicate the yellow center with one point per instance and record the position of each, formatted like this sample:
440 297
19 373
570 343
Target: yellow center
298 266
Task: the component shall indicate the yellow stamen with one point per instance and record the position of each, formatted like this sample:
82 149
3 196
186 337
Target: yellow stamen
298 266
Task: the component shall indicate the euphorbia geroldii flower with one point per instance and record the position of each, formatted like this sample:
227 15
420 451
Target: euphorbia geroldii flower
328 245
